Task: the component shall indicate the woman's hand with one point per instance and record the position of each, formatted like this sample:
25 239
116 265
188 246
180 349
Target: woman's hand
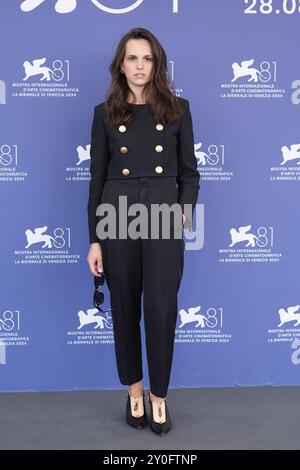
94 259
184 219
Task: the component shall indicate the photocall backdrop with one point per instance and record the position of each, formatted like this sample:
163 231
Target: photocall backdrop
237 63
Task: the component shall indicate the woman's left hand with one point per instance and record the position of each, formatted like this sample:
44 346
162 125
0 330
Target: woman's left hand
184 219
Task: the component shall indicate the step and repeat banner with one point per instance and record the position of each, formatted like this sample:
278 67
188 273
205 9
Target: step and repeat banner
237 63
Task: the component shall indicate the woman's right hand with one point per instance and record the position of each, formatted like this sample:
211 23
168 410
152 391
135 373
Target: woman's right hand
94 259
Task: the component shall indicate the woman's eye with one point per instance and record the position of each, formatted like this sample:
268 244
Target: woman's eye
147 58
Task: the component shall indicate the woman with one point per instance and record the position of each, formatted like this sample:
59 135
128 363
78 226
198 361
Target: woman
142 149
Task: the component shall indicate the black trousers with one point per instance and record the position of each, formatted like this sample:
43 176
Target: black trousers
151 268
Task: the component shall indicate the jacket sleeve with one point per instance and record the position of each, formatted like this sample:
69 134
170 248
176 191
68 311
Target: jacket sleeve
99 153
188 178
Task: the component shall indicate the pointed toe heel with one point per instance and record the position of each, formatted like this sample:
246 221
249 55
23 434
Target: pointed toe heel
136 415
160 420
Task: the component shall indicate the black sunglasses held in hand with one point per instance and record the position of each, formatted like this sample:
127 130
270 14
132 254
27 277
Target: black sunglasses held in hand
98 298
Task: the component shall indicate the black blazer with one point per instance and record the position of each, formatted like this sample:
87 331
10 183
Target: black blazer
142 147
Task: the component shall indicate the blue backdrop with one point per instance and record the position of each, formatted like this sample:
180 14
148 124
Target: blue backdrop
239 313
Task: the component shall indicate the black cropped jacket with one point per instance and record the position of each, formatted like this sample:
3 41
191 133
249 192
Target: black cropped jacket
142 147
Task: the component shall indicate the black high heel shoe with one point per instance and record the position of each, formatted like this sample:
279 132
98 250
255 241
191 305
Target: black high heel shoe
160 421
136 415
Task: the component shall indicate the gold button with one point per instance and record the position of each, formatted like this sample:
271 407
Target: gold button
159 169
123 149
122 128
158 148
159 127
125 172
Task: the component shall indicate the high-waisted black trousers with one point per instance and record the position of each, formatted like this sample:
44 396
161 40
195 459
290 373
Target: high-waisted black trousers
152 267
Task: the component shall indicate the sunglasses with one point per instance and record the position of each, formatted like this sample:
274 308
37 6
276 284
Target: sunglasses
98 298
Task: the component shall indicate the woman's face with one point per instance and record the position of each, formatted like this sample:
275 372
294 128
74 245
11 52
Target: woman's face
138 63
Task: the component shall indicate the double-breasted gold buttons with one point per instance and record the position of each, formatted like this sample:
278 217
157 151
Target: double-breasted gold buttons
122 128
159 169
123 149
158 148
125 172
159 127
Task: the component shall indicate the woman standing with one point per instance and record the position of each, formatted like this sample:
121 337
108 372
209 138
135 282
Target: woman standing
142 148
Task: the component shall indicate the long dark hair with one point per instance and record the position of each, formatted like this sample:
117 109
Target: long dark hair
159 91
